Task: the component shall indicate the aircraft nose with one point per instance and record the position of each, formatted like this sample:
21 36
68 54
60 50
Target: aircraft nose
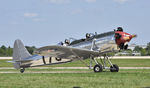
128 38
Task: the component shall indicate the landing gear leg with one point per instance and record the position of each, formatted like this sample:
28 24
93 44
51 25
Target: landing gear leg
90 66
113 67
22 70
126 46
100 67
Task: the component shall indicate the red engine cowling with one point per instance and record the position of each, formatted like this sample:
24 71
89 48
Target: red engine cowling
122 39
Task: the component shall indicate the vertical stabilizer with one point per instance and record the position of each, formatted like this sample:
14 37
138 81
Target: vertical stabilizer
19 53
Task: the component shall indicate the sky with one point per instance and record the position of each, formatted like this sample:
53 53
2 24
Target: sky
47 22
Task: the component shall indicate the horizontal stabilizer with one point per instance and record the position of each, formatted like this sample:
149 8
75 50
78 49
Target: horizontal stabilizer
11 61
34 57
28 59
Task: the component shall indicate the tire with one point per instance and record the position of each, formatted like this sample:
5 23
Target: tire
114 68
98 68
22 70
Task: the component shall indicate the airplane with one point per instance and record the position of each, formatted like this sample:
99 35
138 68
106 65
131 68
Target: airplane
94 45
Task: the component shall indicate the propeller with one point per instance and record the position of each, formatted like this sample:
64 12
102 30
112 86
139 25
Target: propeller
134 36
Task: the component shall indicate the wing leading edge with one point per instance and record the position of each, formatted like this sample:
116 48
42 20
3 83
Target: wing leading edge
69 52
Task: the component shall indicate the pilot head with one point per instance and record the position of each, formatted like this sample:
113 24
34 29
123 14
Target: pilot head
88 35
67 41
120 29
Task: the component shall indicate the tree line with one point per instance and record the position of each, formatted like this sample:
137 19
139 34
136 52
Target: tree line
143 51
8 51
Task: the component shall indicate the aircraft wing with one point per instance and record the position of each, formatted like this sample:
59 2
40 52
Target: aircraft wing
67 52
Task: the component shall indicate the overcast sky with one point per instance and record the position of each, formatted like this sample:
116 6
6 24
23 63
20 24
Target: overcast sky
46 22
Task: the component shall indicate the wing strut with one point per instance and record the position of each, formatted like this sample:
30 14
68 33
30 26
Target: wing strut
80 58
43 59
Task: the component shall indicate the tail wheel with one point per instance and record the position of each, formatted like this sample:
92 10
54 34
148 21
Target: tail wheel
98 68
114 68
22 70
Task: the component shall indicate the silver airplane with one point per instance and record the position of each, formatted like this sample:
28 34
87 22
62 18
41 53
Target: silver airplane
94 45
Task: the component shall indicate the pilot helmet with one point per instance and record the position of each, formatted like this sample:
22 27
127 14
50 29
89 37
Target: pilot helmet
120 29
88 35
67 41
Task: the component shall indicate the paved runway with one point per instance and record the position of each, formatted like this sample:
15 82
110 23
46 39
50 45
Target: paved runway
88 71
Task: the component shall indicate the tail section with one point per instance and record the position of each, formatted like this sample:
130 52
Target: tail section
19 53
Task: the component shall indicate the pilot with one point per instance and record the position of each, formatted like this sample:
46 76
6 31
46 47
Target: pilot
120 29
88 35
67 42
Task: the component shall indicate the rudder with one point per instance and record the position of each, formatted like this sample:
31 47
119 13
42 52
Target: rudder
19 53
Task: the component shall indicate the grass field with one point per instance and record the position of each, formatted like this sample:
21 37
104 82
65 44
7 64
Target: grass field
120 62
123 79
135 78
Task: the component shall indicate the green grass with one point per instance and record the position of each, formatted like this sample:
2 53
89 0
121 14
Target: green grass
30 69
123 79
120 62
4 63
132 62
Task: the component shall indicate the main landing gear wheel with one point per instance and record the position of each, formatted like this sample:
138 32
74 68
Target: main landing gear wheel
98 68
114 68
22 70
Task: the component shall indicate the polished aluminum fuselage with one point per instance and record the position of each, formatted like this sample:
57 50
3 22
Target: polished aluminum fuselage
96 42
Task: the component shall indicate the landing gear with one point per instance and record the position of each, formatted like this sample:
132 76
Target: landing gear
104 62
123 46
114 68
98 68
22 70
126 47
